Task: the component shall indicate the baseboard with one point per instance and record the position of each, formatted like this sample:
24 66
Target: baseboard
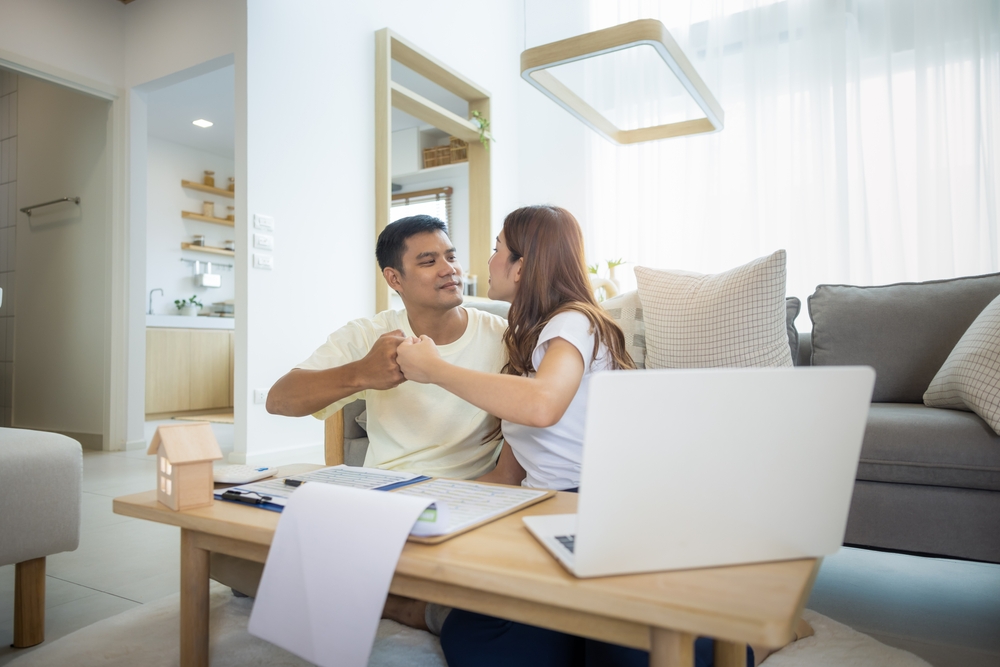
158 416
280 457
136 444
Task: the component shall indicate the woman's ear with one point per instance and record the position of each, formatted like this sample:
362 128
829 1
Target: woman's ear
518 265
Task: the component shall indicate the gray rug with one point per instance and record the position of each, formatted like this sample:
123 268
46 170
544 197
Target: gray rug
147 636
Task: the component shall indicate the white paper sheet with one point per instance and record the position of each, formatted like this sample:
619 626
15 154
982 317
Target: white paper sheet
328 572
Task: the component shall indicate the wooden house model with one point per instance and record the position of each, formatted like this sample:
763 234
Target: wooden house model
184 455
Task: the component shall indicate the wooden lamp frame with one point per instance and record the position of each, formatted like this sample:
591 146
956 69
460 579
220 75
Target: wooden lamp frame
535 61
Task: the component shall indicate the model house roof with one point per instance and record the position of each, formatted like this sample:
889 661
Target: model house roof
186 443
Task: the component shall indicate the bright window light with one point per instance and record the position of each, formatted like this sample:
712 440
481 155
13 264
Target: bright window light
201 122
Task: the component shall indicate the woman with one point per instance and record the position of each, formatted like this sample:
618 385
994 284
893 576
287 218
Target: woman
557 336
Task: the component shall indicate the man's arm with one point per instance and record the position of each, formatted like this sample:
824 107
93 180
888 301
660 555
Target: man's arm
303 392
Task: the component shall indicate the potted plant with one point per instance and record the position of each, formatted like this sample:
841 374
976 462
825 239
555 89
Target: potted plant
188 306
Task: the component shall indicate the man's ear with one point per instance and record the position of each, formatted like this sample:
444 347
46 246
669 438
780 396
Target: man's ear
393 277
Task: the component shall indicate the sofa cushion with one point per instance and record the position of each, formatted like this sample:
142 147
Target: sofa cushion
792 308
730 319
904 331
626 310
914 444
970 377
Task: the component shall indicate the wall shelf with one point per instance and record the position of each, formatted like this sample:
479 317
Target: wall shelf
209 249
205 218
191 185
430 173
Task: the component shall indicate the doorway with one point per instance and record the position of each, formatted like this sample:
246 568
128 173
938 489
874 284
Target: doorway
56 185
190 239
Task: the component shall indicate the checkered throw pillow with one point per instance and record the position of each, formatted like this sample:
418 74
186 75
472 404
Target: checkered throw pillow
969 379
730 319
626 310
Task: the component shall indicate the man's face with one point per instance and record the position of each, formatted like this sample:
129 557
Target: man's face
431 276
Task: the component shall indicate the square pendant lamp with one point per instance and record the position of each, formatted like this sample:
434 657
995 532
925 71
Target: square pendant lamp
643 50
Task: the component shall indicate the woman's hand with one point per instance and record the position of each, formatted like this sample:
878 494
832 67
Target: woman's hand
418 358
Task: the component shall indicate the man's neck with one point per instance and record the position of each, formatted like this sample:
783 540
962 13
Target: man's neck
442 328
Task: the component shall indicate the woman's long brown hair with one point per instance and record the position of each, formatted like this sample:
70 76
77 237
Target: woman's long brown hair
554 279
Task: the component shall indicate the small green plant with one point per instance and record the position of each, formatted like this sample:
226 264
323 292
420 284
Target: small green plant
485 136
593 268
183 303
612 263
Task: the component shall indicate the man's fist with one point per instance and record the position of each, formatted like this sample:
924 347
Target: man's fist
379 366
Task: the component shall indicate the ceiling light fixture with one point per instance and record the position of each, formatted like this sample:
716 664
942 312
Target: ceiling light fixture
201 122
671 113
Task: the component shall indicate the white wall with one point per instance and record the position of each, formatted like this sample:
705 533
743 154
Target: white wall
553 158
62 255
85 37
167 36
318 58
169 163
8 236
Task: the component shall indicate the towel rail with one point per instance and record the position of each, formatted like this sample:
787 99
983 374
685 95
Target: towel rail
27 209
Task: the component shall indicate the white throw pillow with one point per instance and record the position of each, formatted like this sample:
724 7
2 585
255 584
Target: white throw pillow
969 379
626 310
730 319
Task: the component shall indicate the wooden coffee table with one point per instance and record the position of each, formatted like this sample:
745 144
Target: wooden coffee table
500 570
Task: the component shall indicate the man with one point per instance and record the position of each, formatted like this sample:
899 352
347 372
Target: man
411 427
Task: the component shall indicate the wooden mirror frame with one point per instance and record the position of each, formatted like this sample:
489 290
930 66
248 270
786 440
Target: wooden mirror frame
388 47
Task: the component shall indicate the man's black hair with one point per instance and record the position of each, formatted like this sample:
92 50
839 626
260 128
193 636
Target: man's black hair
392 241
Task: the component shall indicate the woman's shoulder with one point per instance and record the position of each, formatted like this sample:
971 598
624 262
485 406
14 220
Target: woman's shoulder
569 319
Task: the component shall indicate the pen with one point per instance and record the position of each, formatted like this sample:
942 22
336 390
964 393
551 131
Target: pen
238 497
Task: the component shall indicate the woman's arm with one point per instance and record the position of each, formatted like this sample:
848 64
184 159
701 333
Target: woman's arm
540 401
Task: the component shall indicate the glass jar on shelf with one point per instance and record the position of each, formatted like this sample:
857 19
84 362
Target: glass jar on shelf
208 209
209 178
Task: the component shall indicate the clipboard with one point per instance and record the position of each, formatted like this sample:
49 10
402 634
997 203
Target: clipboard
512 499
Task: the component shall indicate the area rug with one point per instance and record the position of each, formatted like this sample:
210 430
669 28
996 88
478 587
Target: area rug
147 636
220 418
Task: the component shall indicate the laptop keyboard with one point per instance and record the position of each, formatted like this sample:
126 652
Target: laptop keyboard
568 541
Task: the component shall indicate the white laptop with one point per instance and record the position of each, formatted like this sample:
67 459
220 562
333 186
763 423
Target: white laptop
700 468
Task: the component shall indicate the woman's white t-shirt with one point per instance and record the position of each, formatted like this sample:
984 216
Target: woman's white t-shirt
551 456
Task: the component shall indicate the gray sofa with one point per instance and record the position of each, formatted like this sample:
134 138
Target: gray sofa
929 479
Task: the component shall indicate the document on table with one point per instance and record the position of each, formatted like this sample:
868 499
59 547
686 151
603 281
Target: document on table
470 504
328 571
278 492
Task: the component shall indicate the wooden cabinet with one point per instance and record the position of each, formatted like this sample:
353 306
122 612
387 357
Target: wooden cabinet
188 369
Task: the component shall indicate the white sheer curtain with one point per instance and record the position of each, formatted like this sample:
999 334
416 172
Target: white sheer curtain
862 136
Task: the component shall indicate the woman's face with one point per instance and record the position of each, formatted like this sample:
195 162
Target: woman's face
504 276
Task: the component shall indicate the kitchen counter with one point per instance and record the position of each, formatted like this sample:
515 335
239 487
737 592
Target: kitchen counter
190 322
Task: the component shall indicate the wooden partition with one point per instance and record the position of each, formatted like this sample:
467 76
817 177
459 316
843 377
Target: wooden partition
388 47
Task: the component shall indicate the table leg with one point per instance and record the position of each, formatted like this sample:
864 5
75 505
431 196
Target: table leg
730 654
669 648
194 602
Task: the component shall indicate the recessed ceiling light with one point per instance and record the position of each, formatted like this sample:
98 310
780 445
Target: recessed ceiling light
201 122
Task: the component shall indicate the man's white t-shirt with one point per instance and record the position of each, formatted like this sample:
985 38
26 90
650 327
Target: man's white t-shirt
421 428
551 456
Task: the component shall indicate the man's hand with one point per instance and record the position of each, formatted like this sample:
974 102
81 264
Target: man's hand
417 357
379 368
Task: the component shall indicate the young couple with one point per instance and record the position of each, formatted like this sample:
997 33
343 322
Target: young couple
466 368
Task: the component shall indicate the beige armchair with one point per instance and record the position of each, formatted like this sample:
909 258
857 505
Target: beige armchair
40 493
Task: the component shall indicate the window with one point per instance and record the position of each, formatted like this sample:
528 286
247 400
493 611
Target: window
435 202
